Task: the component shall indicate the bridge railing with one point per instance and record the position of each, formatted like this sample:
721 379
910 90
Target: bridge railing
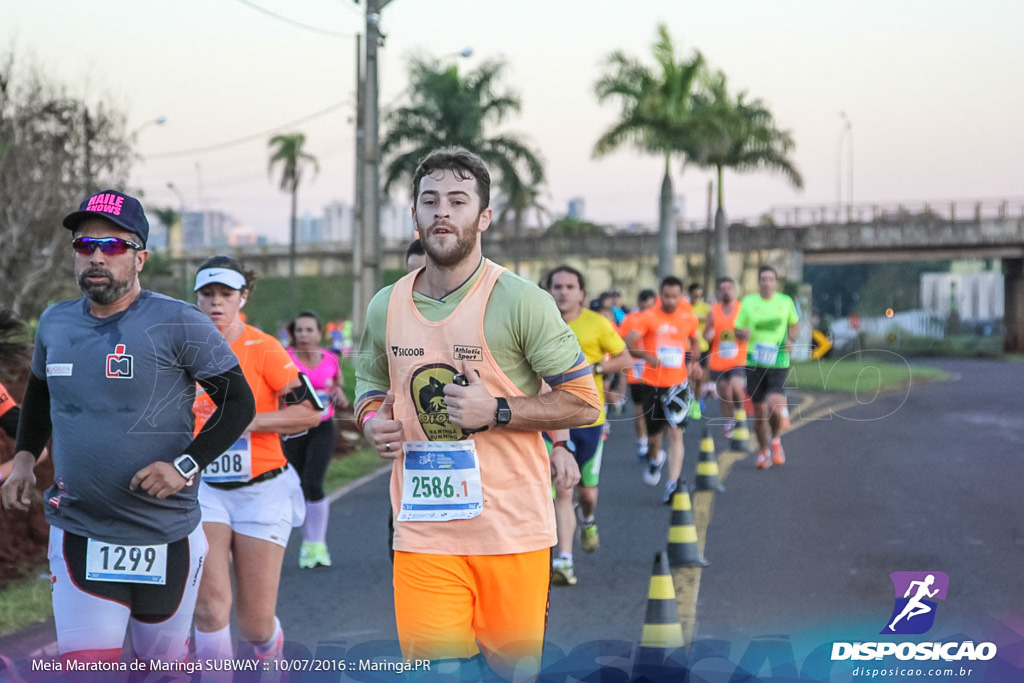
952 211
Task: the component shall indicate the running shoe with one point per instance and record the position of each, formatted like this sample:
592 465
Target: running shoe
313 554
641 450
728 429
778 455
274 652
764 461
652 475
670 490
562 573
590 540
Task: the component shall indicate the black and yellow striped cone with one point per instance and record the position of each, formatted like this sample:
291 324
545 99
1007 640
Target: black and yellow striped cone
661 625
682 533
740 433
707 467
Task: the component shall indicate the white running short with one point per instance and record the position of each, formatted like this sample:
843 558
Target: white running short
266 510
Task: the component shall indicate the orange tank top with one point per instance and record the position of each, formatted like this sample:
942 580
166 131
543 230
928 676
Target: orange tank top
727 352
423 356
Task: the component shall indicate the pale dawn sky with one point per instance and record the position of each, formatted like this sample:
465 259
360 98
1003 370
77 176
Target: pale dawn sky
930 87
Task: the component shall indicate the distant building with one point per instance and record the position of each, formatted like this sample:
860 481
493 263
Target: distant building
396 226
207 228
157 240
309 230
577 208
338 222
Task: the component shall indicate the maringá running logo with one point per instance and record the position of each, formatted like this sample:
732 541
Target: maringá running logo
915 595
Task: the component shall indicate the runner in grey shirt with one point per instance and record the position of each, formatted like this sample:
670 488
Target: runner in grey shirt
113 381
120 392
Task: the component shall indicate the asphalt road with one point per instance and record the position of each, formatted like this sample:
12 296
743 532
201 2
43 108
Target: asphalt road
922 480
926 479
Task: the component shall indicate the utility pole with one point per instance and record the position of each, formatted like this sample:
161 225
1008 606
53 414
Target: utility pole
358 308
87 122
709 237
369 275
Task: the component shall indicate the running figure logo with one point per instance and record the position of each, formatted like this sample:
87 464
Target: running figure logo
914 610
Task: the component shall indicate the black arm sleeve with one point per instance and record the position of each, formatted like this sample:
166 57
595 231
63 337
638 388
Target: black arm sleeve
34 426
9 421
236 409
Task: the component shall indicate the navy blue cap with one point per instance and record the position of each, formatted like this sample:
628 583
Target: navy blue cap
117 207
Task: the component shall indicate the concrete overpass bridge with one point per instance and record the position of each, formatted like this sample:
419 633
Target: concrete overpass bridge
787 238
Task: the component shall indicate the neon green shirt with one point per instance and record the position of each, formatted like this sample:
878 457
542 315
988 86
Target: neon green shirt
768 322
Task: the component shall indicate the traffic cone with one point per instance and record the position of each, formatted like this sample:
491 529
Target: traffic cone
662 629
707 466
682 534
740 433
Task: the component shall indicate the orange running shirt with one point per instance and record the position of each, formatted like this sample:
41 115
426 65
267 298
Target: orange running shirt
666 335
268 369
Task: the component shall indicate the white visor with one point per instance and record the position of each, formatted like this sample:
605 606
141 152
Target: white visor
224 276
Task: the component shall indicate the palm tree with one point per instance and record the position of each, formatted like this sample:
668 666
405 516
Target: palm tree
656 109
448 108
287 151
741 135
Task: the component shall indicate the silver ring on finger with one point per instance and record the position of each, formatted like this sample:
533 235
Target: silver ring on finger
387 446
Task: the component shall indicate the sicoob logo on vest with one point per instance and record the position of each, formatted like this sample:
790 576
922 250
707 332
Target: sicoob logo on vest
427 391
119 364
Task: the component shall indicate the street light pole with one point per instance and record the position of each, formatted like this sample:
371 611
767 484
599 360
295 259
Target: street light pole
847 133
177 245
158 121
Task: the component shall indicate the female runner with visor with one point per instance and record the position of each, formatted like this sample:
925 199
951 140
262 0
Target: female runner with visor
250 497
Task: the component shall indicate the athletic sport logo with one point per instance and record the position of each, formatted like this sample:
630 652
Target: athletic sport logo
119 364
470 353
914 609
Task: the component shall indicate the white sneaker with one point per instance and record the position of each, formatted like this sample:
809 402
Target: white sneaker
652 475
670 490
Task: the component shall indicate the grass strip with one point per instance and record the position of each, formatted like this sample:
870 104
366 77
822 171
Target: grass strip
861 376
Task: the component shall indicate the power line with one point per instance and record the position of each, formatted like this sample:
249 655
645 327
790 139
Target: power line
247 138
293 22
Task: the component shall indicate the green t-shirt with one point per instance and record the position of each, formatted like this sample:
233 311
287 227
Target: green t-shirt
522 327
768 322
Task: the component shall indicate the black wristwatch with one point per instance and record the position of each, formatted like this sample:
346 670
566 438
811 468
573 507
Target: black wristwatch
567 445
503 415
598 368
186 466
